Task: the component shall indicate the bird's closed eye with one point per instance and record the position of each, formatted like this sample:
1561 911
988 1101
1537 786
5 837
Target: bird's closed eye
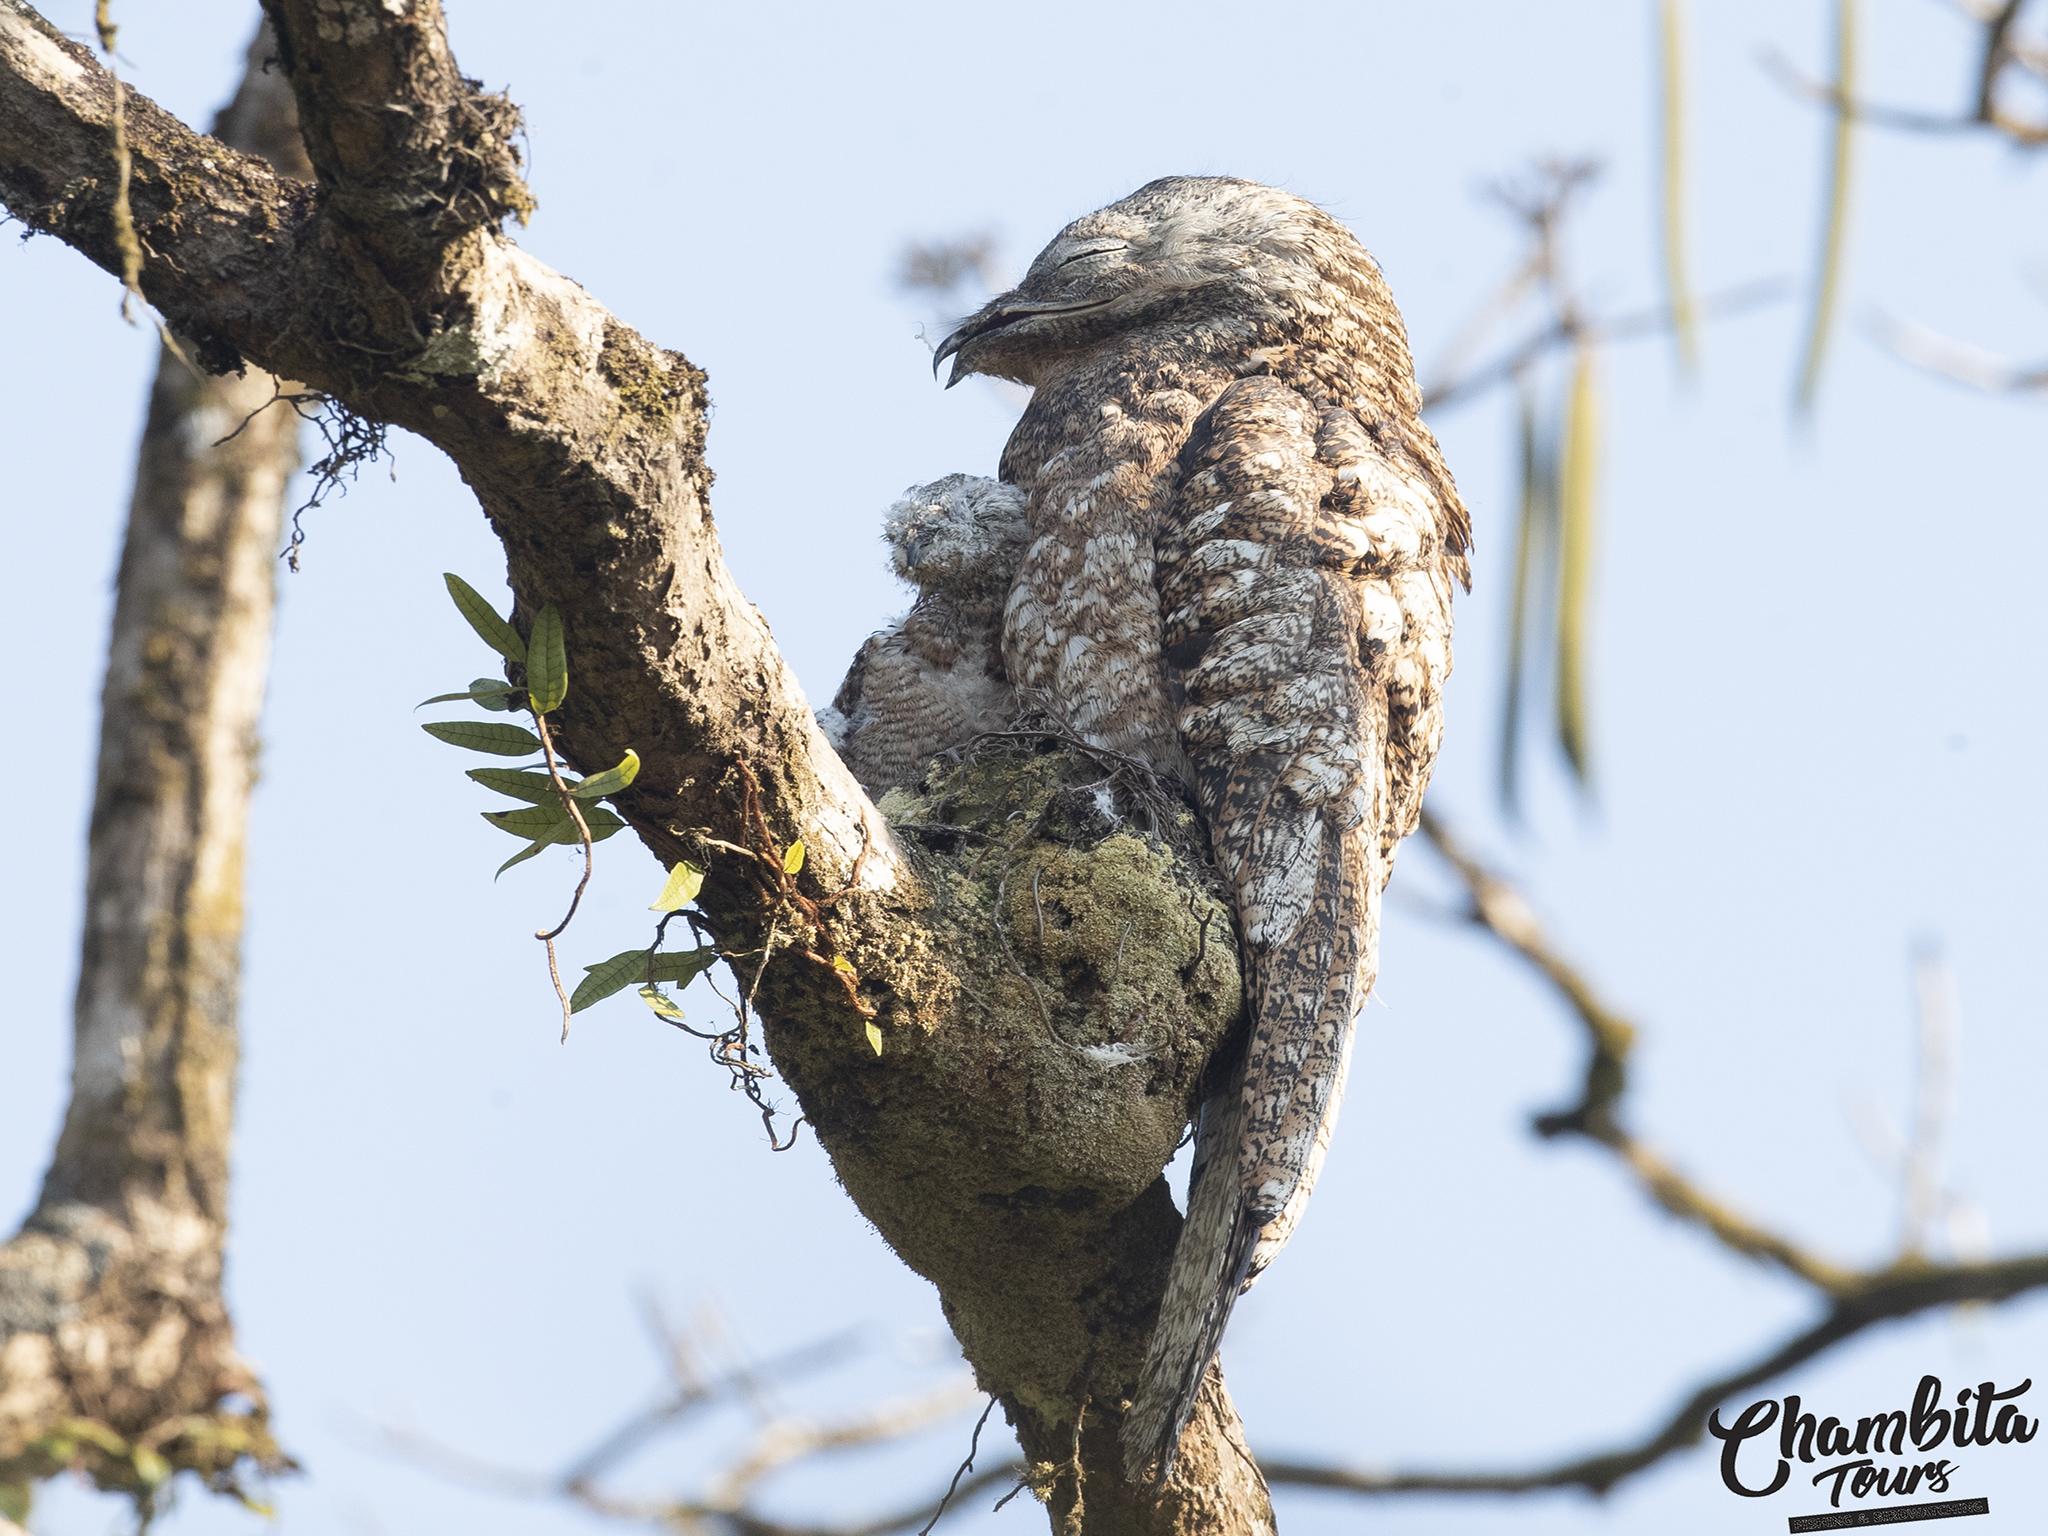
1093 250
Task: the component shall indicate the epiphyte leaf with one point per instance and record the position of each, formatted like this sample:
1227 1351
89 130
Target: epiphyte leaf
484 736
659 1001
793 860
547 664
487 691
630 965
549 819
538 845
519 783
875 1039
484 619
684 882
493 693
546 818
612 780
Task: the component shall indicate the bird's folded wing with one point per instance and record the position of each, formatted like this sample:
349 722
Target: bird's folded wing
1307 623
1266 635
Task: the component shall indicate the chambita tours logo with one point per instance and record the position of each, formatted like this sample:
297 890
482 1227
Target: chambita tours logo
1886 1455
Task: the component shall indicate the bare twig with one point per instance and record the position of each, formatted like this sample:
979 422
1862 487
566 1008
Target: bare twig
1905 1291
793 1439
2001 50
967 1466
1501 909
1558 337
781 1442
1856 1300
1936 1010
1929 349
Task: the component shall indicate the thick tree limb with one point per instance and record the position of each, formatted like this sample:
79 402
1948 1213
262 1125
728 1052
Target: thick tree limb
1019 1175
116 1349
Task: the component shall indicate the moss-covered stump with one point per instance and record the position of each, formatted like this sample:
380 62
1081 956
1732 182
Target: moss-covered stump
1078 974
117 1359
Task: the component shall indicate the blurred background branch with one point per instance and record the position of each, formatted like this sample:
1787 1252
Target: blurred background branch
118 1357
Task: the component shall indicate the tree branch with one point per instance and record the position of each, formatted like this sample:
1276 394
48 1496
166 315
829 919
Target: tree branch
1501 909
1904 1293
1021 1177
117 1353
1983 110
1856 1300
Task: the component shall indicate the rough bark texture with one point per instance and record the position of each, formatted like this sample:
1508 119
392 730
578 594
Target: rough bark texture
1047 991
116 1349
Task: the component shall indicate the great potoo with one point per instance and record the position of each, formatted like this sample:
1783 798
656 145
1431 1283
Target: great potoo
1242 547
934 679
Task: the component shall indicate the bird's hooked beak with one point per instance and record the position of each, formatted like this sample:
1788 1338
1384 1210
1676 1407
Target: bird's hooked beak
997 315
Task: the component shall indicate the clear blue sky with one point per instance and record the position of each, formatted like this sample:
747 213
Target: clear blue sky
1819 724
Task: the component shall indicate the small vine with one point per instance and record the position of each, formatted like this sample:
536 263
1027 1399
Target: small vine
559 811
556 811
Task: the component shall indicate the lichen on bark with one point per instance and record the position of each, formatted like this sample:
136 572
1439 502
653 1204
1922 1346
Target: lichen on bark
1078 984
1008 1140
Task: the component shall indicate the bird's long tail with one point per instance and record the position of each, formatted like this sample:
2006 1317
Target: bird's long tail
1304 996
1210 1264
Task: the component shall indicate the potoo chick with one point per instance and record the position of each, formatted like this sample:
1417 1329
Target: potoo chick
934 679
1242 545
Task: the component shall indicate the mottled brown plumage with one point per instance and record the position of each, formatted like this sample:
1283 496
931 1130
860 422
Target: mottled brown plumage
1243 541
934 679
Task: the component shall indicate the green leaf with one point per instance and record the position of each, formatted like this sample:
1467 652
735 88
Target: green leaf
519 783
684 882
483 618
602 822
658 1000
550 820
14 1501
630 965
538 845
612 780
547 665
546 819
875 1039
149 1466
793 860
483 736
603 979
493 693
564 832
487 691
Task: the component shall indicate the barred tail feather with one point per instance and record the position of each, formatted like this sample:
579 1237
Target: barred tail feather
1209 1267
1310 989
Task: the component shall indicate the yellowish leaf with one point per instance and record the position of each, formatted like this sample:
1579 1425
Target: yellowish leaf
793 860
684 882
841 963
875 1039
659 1001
